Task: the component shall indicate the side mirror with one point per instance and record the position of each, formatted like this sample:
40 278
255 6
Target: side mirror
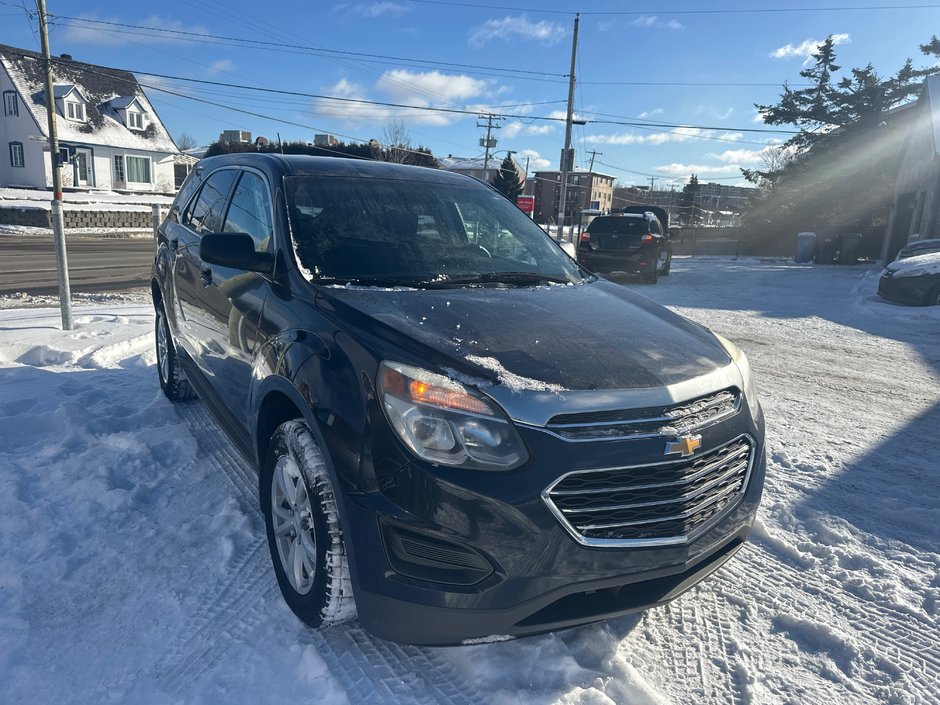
235 250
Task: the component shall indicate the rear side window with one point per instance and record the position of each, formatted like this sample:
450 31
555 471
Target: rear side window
250 211
205 215
655 227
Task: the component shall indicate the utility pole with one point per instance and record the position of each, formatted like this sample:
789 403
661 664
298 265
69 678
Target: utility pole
487 142
563 190
594 153
58 223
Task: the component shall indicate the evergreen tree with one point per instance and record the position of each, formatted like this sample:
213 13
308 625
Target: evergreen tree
506 180
841 165
690 202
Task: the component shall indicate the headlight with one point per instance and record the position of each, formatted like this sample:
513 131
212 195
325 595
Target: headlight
744 367
444 422
912 272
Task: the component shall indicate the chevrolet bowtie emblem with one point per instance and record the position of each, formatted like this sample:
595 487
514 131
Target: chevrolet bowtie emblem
684 446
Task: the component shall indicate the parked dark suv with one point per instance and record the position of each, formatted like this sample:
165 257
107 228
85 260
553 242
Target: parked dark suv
459 432
628 241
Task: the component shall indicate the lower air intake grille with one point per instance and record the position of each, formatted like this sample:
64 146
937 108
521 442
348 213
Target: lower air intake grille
663 503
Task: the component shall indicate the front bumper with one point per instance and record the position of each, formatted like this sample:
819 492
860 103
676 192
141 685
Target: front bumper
532 576
904 290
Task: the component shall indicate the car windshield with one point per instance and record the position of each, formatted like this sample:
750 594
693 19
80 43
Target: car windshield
619 225
389 232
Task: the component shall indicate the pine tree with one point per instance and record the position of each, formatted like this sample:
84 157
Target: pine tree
840 167
506 180
690 202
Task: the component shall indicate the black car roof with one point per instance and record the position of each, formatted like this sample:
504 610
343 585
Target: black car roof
303 165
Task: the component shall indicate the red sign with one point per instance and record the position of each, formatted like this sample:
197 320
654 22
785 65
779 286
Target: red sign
526 204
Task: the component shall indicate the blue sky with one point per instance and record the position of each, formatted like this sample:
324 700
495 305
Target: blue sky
521 51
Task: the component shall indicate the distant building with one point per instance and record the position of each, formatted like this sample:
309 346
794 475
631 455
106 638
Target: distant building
587 190
325 141
235 137
110 136
473 166
915 214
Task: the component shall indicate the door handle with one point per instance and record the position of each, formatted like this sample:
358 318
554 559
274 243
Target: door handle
206 276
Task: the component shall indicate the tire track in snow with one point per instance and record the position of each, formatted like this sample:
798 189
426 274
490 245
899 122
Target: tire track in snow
228 611
889 657
369 669
377 672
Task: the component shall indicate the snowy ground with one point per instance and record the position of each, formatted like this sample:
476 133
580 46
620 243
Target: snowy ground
133 566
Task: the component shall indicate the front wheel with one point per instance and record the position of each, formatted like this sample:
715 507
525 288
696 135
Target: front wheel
304 533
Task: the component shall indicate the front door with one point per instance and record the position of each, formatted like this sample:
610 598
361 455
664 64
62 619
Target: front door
82 166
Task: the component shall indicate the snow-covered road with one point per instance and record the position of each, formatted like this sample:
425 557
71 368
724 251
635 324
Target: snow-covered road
133 566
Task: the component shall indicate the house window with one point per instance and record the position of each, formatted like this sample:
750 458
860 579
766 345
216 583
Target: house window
138 169
135 121
10 104
16 154
119 168
75 111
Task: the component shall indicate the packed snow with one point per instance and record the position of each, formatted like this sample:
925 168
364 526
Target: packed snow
134 567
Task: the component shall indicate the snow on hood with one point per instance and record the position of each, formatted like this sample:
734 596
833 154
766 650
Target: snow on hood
921 264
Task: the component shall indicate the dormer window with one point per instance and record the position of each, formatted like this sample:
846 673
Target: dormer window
135 121
75 111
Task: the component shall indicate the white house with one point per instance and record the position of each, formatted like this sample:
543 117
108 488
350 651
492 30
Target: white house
110 137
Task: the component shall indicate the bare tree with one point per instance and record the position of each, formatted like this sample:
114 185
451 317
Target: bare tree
185 141
396 141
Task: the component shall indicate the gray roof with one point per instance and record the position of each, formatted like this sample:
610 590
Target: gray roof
99 86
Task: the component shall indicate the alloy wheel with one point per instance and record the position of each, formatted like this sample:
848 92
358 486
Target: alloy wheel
292 519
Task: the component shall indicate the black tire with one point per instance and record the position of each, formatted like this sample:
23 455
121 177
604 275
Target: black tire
664 270
173 380
933 297
320 593
652 276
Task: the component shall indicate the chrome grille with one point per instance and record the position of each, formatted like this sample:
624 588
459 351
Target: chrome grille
647 423
662 503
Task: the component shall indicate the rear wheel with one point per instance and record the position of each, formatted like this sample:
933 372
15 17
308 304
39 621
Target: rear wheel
652 275
173 381
304 534
665 262
933 297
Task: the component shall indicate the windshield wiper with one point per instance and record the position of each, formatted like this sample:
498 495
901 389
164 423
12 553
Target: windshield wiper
520 278
385 282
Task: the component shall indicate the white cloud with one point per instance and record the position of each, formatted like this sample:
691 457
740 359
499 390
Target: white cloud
653 22
680 134
103 34
676 169
535 159
809 46
714 111
563 114
758 118
221 66
605 26
430 89
519 27
739 156
651 113
420 88
372 10
516 128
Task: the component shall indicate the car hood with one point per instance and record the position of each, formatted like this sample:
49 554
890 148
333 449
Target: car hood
546 340
922 264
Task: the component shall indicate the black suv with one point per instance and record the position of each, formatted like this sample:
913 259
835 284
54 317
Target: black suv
445 442
630 241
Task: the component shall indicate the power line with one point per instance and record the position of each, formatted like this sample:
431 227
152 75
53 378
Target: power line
661 11
160 31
